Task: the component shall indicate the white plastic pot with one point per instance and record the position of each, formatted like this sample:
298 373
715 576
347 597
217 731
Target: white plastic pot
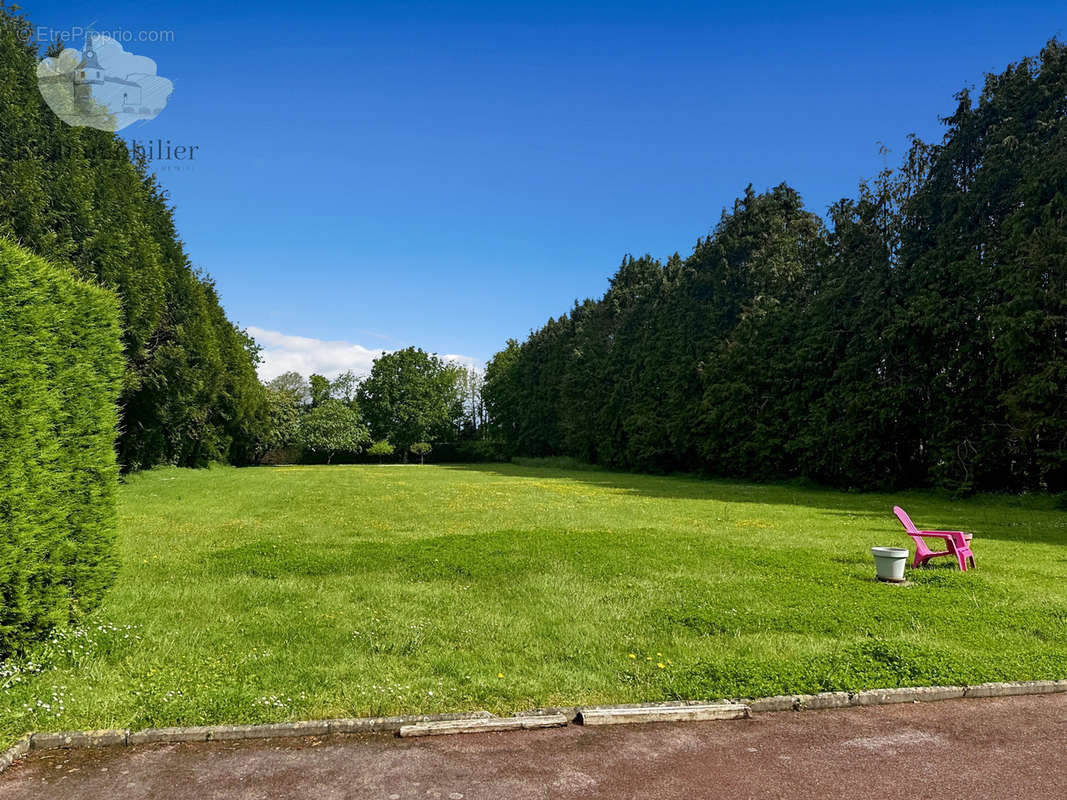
890 563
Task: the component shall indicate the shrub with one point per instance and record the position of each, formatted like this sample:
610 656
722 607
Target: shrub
554 462
468 451
60 368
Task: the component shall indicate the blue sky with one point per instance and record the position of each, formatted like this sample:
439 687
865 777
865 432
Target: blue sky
380 175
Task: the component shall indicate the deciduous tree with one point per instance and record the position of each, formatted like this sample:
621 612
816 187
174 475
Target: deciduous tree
411 396
332 427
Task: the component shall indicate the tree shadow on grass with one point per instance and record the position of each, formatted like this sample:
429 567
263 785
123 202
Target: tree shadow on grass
500 558
687 487
1011 519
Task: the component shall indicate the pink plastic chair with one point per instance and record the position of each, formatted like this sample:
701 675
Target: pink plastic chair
958 542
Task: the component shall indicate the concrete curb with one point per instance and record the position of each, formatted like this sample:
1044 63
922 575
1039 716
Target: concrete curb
1014 688
570 712
78 739
914 694
220 733
542 717
688 712
16 751
438 728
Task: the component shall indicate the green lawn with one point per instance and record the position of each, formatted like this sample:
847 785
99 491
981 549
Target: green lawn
305 592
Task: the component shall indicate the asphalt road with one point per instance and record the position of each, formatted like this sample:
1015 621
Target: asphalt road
1007 748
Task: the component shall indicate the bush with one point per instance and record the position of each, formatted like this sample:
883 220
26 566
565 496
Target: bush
554 462
468 451
60 368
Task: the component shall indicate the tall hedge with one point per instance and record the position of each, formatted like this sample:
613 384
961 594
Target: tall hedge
920 338
61 366
74 196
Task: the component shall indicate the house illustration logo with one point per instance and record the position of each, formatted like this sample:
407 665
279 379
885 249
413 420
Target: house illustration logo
102 86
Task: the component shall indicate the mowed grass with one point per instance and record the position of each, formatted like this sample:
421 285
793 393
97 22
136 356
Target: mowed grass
281 593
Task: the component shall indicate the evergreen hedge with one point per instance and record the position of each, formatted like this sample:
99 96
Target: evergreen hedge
61 365
74 196
918 339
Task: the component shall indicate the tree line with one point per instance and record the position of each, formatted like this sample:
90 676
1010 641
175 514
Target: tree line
916 336
190 393
410 400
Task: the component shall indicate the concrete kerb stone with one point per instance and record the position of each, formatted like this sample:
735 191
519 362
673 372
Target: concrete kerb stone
824 700
220 733
196 733
224 733
483 725
919 694
570 712
16 751
573 712
72 739
1010 688
394 724
815 702
779 702
676 712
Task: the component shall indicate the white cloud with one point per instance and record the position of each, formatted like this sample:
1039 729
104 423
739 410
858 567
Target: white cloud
284 353
464 361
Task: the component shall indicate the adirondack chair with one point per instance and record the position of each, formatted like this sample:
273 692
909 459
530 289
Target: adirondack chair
958 542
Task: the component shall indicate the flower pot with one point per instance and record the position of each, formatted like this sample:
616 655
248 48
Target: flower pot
890 563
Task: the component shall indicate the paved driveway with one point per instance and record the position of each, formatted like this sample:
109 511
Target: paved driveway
1008 748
